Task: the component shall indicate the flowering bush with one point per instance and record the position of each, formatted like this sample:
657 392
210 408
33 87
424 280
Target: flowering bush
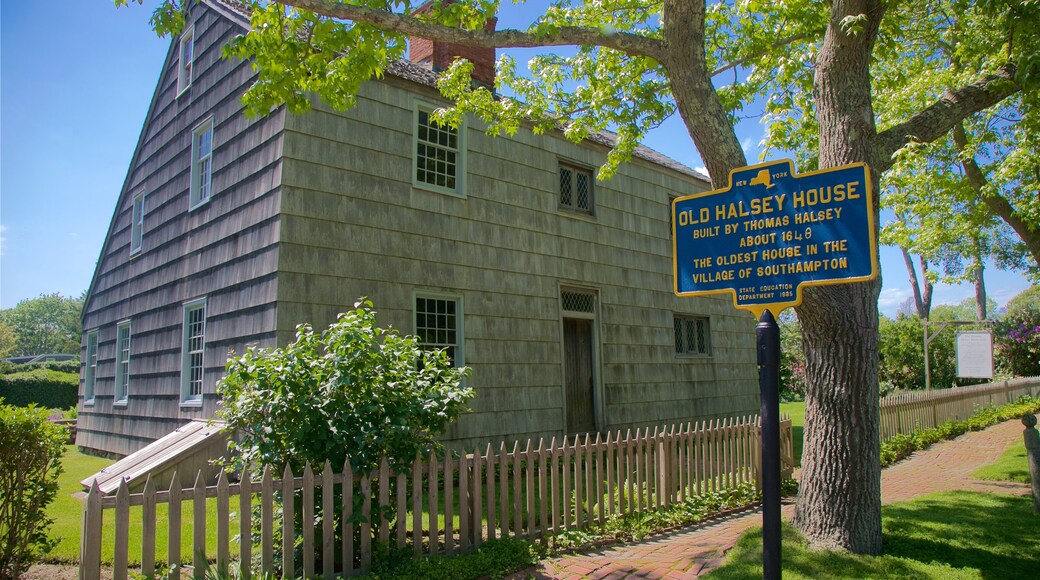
1017 343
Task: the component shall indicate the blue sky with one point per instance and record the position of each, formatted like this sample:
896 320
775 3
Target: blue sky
76 78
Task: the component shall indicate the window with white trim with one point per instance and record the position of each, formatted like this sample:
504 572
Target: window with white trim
201 162
91 367
137 224
192 348
122 362
692 335
186 59
439 154
438 324
576 188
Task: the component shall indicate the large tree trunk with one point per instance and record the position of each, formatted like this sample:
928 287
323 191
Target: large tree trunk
839 502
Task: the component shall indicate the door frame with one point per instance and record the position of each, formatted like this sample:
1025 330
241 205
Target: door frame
598 403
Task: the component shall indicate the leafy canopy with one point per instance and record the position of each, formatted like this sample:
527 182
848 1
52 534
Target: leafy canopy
356 390
46 324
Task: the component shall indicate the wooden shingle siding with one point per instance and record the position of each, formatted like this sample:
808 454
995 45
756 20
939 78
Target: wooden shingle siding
353 225
225 250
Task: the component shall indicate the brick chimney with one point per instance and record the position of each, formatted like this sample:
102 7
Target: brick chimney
440 55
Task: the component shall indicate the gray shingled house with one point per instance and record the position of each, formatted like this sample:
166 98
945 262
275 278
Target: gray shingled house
553 286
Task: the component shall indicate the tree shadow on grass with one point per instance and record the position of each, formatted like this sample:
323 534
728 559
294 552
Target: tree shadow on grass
949 535
798 440
995 534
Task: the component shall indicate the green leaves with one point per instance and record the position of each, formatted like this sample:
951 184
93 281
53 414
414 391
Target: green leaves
356 390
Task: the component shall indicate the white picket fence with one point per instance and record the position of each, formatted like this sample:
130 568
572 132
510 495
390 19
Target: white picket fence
438 506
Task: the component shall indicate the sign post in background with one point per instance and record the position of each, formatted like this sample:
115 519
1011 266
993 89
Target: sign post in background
762 239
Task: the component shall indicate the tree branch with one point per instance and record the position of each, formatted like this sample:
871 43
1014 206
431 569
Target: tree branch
939 117
632 44
778 44
996 203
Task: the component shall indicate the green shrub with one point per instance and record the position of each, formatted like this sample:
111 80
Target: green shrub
901 346
902 445
30 462
42 387
355 391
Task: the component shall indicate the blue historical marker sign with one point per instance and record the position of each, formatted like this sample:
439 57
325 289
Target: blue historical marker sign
773 232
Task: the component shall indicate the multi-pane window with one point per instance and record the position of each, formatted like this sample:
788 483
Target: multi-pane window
192 348
576 188
438 324
201 162
91 366
186 60
137 224
122 361
438 155
692 335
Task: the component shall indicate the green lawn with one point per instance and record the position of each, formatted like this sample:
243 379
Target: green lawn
797 412
943 536
1012 466
67 511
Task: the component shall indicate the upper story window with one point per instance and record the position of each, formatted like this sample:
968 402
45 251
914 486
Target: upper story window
692 335
194 343
122 362
137 224
201 163
440 153
576 188
438 324
91 367
186 59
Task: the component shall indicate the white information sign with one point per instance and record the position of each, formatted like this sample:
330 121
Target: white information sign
975 354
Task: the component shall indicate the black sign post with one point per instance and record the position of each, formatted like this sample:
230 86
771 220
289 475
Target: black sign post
764 238
768 334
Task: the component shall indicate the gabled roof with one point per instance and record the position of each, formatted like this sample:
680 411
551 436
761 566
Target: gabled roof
239 12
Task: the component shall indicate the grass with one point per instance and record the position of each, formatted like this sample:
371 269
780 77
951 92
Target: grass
797 412
67 511
1012 466
944 535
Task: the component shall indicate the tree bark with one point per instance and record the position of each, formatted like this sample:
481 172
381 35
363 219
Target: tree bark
922 300
980 284
839 501
695 97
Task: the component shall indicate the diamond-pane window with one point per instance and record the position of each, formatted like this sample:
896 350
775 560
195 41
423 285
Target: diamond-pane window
692 335
437 153
576 188
438 325
578 302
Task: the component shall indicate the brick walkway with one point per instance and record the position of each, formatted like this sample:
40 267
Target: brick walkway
694 551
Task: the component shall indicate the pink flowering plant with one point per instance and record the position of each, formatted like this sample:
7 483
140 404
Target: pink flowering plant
1017 343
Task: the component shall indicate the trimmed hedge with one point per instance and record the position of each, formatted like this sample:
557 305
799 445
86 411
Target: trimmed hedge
901 446
46 388
62 366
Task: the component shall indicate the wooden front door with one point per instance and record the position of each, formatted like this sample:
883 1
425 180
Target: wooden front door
578 376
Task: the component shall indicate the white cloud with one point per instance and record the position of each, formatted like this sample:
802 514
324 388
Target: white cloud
3 230
702 169
747 144
890 300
